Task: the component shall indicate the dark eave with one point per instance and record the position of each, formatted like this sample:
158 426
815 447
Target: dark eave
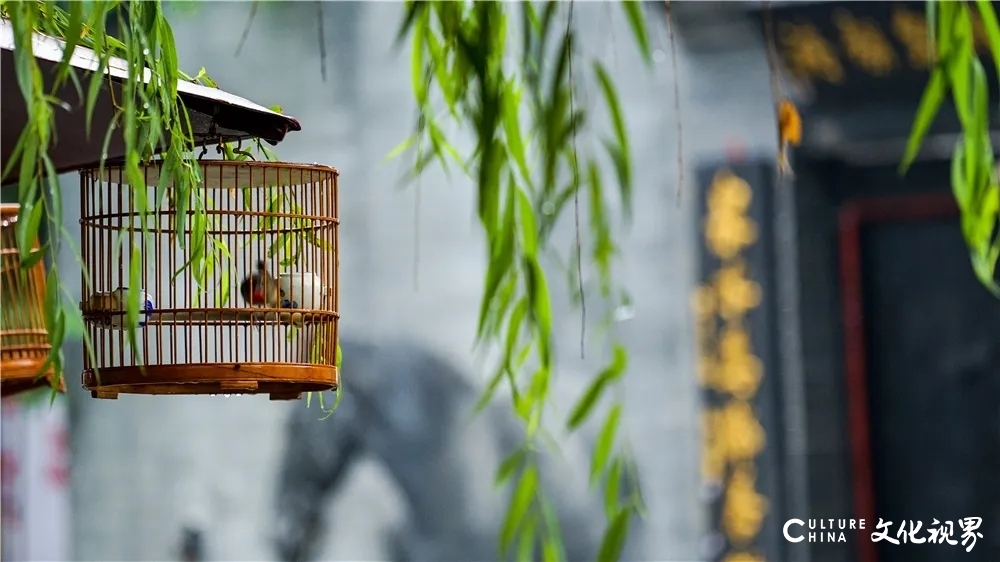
216 115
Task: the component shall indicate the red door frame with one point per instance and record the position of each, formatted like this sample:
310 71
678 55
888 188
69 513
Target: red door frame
852 219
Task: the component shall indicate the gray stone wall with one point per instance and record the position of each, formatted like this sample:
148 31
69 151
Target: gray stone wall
146 466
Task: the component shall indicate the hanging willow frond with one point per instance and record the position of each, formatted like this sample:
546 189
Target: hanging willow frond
959 70
149 117
525 174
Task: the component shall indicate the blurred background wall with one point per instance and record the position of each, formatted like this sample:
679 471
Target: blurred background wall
146 468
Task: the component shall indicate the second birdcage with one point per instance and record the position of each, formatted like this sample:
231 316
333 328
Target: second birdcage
236 280
24 339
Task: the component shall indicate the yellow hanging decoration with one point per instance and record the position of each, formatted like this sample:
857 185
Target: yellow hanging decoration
743 557
743 509
806 51
789 133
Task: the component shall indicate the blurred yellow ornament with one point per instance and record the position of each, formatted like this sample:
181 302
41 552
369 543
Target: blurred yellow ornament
743 508
789 133
738 371
729 192
737 294
743 557
865 44
739 432
728 235
910 28
727 229
809 54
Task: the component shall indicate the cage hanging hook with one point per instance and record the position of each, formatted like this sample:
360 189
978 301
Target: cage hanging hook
204 151
239 150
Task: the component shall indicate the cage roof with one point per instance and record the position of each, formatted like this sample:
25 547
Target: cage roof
216 115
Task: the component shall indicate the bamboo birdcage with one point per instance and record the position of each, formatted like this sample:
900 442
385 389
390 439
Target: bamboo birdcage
196 334
24 341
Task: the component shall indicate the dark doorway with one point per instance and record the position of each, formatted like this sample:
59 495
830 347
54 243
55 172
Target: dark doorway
921 367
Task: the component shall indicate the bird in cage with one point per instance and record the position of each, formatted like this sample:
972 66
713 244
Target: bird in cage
261 289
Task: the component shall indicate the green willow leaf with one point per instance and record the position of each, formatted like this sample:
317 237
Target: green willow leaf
55 212
962 191
553 549
27 188
414 10
501 261
603 249
539 392
930 103
15 157
614 537
605 442
34 257
610 374
169 60
491 388
132 305
51 300
417 65
541 308
514 326
979 106
526 544
512 129
992 27
400 148
57 334
26 228
621 154
981 233
501 305
73 33
443 149
96 82
984 265
506 469
338 395
959 68
519 504
522 356
529 232
633 12
612 491
524 403
489 184
944 38
636 501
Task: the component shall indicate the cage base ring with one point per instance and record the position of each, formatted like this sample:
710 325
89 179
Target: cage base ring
282 381
21 375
